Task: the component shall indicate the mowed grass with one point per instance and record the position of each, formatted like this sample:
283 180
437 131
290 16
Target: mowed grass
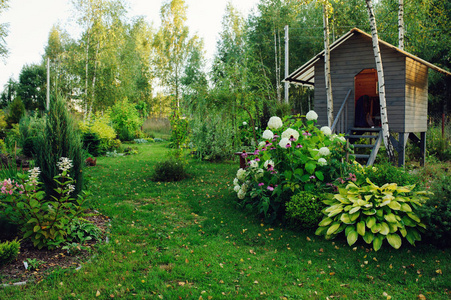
188 240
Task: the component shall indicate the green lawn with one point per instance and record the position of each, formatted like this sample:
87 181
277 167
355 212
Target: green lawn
187 240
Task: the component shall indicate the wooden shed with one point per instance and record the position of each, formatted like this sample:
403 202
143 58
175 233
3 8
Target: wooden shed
355 91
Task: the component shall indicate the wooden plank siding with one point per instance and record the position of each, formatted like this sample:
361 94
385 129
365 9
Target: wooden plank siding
405 83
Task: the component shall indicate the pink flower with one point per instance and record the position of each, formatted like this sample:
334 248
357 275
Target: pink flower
261 184
271 188
298 146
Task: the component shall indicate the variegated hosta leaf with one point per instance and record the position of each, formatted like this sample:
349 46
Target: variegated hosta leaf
406 207
403 231
333 228
346 219
325 222
394 240
354 210
414 217
370 212
368 197
354 216
390 218
377 242
335 212
394 205
376 228
393 227
361 228
385 229
389 186
405 189
352 237
370 221
368 237
342 199
321 230
333 207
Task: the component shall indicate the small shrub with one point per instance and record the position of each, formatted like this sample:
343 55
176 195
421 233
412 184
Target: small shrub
436 213
305 208
100 124
16 111
374 213
82 231
169 170
8 252
92 143
126 120
385 172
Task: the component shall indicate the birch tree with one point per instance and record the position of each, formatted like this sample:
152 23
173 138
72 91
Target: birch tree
3 30
401 24
381 78
327 79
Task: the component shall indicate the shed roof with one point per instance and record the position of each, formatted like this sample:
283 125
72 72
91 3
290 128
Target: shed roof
306 73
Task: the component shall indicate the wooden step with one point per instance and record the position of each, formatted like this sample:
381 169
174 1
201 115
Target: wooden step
363 146
366 129
365 156
356 136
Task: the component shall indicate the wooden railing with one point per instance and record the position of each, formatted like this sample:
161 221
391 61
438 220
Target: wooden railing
341 119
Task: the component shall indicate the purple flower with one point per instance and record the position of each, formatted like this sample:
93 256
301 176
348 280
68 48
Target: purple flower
271 188
244 154
256 152
292 139
298 146
261 184
257 159
272 148
312 177
288 146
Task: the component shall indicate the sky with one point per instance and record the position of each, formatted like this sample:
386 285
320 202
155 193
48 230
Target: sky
30 22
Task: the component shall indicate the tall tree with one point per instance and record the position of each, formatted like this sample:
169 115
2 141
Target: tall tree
31 88
381 80
328 80
401 25
172 43
3 30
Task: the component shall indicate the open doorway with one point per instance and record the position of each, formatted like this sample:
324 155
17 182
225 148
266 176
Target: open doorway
366 102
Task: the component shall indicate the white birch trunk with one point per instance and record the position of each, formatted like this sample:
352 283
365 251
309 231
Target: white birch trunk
328 79
279 96
401 25
381 78
86 74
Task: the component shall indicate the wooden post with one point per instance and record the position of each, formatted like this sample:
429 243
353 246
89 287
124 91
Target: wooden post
423 148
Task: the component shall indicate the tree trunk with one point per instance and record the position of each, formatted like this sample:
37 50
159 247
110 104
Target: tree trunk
86 74
401 24
381 78
279 96
328 80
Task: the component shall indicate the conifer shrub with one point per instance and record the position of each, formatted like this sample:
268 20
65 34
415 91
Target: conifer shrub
8 252
171 169
60 138
305 209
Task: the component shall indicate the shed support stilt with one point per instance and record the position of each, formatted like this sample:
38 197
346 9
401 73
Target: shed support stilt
423 149
401 148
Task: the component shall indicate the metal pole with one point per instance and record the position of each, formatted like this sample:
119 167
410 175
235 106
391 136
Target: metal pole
287 85
48 84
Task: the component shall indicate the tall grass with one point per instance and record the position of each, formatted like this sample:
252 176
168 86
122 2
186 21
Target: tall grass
157 127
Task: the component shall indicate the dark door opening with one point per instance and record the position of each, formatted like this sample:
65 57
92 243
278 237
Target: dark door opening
366 102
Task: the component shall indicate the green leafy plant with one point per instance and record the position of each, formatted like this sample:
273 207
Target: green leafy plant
8 251
293 156
171 169
374 213
82 231
100 126
75 248
44 220
33 264
179 132
436 213
126 120
305 208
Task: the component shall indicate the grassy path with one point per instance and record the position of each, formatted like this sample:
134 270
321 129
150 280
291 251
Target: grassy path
187 240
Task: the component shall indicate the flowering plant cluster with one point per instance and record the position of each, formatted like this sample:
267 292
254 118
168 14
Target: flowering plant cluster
45 221
293 155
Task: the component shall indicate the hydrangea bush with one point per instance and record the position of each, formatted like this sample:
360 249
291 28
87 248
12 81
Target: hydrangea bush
293 155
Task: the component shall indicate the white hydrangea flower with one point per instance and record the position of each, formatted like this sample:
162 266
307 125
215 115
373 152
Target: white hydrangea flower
324 151
241 174
322 161
244 123
253 164
275 123
261 144
236 188
268 134
342 139
241 194
284 142
326 130
269 163
311 115
236 181
244 187
259 174
290 133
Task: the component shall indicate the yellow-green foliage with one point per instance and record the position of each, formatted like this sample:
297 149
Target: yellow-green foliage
8 252
101 125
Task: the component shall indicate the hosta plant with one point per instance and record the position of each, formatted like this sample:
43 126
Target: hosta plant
374 213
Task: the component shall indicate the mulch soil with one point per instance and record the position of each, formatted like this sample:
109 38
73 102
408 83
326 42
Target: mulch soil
52 259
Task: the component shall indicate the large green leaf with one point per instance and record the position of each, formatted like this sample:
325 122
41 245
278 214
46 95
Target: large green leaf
394 240
333 228
376 228
325 222
361 228
310 167
370 221
319 175
321 231
368 237
354 210
345 219
414 217
370 212
406 207
377 242
385 229
394 205
354 216
390 218
352 237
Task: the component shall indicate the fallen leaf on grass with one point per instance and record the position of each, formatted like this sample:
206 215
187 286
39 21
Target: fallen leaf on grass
98 293
421 297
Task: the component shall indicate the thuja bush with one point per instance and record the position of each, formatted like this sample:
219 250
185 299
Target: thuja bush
60 138
294 155
8 252
305 209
